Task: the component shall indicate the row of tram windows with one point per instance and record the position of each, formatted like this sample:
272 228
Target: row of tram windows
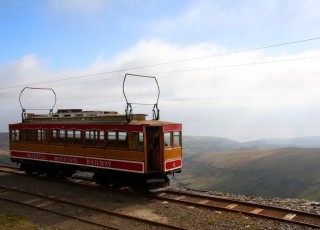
132 140
120 139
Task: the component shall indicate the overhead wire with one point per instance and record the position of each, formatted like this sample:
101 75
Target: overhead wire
203 68
241 65
163 63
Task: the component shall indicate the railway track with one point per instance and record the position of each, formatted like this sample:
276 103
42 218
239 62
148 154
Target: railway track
49 204
247 208
224 204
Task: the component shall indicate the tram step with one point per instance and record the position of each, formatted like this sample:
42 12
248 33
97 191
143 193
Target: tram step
155 180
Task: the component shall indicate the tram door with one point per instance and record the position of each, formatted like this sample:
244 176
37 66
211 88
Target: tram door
153 147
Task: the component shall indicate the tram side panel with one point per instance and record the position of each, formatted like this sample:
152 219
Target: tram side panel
67 153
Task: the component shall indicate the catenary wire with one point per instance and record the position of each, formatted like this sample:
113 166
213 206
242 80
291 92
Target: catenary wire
204 68
164 63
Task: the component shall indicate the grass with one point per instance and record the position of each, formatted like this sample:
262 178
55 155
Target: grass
15 222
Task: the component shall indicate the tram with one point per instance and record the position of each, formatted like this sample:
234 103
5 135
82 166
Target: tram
116 148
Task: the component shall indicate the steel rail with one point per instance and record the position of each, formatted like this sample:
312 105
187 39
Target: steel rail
220 199
55 212
118 214
244 203
231 204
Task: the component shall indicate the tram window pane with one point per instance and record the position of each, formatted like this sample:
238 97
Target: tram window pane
54 135
176 139
39 135
70 134
123 139
62 134
141 138
167 139
112 136
15 135
77 134
122 136
90 135
43 135
101 135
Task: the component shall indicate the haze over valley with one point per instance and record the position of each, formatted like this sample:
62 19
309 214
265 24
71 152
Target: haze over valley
286 168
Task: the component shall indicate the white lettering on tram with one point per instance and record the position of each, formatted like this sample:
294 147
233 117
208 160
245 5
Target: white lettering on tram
36 156
97 162
65 159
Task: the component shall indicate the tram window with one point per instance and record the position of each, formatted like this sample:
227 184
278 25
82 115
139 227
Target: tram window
100 137
122 136
70 135
122 139
90 136
54 135
77 134
140 138
112 136
135 141
176 139
168 139
41 135
62 135
15 135
77 137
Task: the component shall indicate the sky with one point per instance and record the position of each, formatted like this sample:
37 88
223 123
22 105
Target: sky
83 49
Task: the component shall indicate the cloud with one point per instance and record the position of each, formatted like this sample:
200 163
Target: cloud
248 102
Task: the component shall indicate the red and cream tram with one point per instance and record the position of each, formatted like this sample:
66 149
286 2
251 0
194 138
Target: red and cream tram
126 148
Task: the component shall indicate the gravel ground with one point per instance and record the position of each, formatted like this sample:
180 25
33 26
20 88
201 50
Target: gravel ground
185 216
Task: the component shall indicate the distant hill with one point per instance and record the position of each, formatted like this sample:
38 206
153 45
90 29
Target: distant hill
196 145
302 142
4 141
285 172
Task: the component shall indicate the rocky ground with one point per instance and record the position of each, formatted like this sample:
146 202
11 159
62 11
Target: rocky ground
185 216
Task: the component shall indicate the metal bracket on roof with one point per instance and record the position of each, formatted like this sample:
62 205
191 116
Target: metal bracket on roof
24 110
129 110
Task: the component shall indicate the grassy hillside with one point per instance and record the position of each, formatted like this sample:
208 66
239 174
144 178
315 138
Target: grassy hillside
286 172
